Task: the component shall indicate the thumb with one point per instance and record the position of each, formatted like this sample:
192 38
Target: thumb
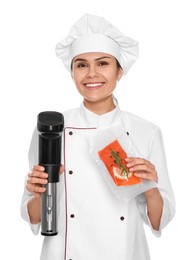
61 169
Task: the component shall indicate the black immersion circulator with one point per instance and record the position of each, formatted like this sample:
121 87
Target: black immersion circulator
50 125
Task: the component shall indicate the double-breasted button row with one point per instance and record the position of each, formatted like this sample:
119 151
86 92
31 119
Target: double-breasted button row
71 172
121 218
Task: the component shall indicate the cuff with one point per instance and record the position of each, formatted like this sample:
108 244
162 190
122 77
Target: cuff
167 214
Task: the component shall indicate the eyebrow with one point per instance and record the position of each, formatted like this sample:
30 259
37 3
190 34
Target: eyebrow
100 58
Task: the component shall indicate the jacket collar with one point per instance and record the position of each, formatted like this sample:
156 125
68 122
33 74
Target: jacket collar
100 121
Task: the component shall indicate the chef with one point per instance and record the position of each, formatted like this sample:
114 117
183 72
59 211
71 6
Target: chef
93 223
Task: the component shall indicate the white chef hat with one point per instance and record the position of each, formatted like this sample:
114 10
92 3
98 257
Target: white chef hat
95 34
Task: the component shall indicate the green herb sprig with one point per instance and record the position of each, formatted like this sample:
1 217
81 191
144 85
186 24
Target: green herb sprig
119 163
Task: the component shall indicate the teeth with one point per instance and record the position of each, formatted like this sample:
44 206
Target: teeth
93 85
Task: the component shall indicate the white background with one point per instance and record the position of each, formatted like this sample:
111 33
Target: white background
158 88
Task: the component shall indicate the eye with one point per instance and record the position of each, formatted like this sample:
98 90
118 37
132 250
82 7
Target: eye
81 65
103 63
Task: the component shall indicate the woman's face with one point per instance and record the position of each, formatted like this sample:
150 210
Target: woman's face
95 76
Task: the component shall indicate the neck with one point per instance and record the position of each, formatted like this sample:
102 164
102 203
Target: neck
100 107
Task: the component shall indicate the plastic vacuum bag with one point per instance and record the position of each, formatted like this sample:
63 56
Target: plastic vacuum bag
109 148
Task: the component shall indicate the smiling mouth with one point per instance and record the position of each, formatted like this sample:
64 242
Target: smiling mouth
93 85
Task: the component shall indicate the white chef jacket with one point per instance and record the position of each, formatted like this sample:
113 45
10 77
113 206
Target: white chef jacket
93 223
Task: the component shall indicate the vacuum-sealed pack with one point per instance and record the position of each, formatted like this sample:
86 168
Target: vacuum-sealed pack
109 148
113 157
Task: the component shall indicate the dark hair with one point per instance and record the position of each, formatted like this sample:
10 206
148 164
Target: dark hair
118 64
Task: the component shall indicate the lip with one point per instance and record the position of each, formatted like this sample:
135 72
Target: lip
93 85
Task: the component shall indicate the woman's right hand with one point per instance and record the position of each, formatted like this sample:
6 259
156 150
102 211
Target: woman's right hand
36 179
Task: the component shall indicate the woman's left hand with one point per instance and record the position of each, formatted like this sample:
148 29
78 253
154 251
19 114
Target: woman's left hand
146 170
142 168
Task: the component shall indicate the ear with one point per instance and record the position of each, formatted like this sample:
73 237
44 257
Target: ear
120 74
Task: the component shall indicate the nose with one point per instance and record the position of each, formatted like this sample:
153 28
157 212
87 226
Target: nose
92 72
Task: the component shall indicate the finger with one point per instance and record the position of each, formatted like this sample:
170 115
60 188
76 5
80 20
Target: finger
61 169
38 174
143 175
146 176
38 168
134 161
35 188
35 180
138 161
39 189
141 168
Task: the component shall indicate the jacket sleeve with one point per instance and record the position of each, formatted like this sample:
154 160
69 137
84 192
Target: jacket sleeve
158 158
32 155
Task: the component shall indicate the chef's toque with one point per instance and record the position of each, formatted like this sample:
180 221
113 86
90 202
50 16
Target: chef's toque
95 34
